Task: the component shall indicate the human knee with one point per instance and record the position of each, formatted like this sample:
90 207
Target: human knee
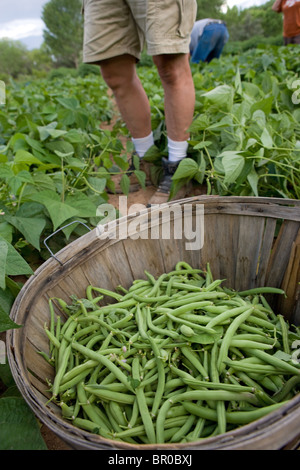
118 73
113 80
172 70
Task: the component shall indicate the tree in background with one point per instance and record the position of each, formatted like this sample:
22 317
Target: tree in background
209 8
63 36
270 20
243 25
260 21
41 61
14 59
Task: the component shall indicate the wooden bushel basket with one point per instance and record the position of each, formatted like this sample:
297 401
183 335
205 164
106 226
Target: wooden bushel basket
250 242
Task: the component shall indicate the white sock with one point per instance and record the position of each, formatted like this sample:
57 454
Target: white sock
177 150
143 144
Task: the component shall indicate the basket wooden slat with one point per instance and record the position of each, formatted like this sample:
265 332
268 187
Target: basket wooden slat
265 251
247 241
291 281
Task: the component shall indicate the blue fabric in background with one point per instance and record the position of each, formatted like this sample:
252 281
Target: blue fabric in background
211 43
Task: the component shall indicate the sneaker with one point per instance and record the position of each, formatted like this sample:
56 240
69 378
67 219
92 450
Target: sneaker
162 195
134 182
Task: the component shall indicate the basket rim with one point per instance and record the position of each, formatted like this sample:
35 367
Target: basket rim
64 429
212 204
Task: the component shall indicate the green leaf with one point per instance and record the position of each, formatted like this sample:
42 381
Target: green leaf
74 136
5 322
6 231
43 181
50 131
199 176
3 258
16 181
242 112
233 164
259 118
253 181
17 141
175 187
64 155
203 144
251 91
55 133
250 142
125 184
31 209
69 103
66 117
121 162
266 138
30 227
222 96
6 375
82 204
13 287
19 429
200 123
98 184
22 156
5 171
141 177
15 263
187 168
244 173
75 227
266 60
136 161
265 105
25 177
61 148
153 155
35 144
59 211
72 162
238 82
282 356
6 299
224 122
133 382
81 119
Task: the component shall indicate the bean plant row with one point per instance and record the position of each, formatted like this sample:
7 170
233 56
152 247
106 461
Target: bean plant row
177 358
245 135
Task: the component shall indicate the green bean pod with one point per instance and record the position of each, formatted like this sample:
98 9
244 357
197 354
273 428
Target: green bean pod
142 403
232 417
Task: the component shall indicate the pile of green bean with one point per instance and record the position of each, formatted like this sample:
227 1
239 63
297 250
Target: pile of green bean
172 359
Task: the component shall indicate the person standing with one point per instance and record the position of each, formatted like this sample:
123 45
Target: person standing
115 32
208 39
291 19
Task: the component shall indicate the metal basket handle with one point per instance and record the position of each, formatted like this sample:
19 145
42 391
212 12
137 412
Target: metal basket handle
54 233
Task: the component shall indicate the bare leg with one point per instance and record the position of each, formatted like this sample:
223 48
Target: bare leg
120 75
177 81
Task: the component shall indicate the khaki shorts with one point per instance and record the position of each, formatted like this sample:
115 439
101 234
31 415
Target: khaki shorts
117 27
